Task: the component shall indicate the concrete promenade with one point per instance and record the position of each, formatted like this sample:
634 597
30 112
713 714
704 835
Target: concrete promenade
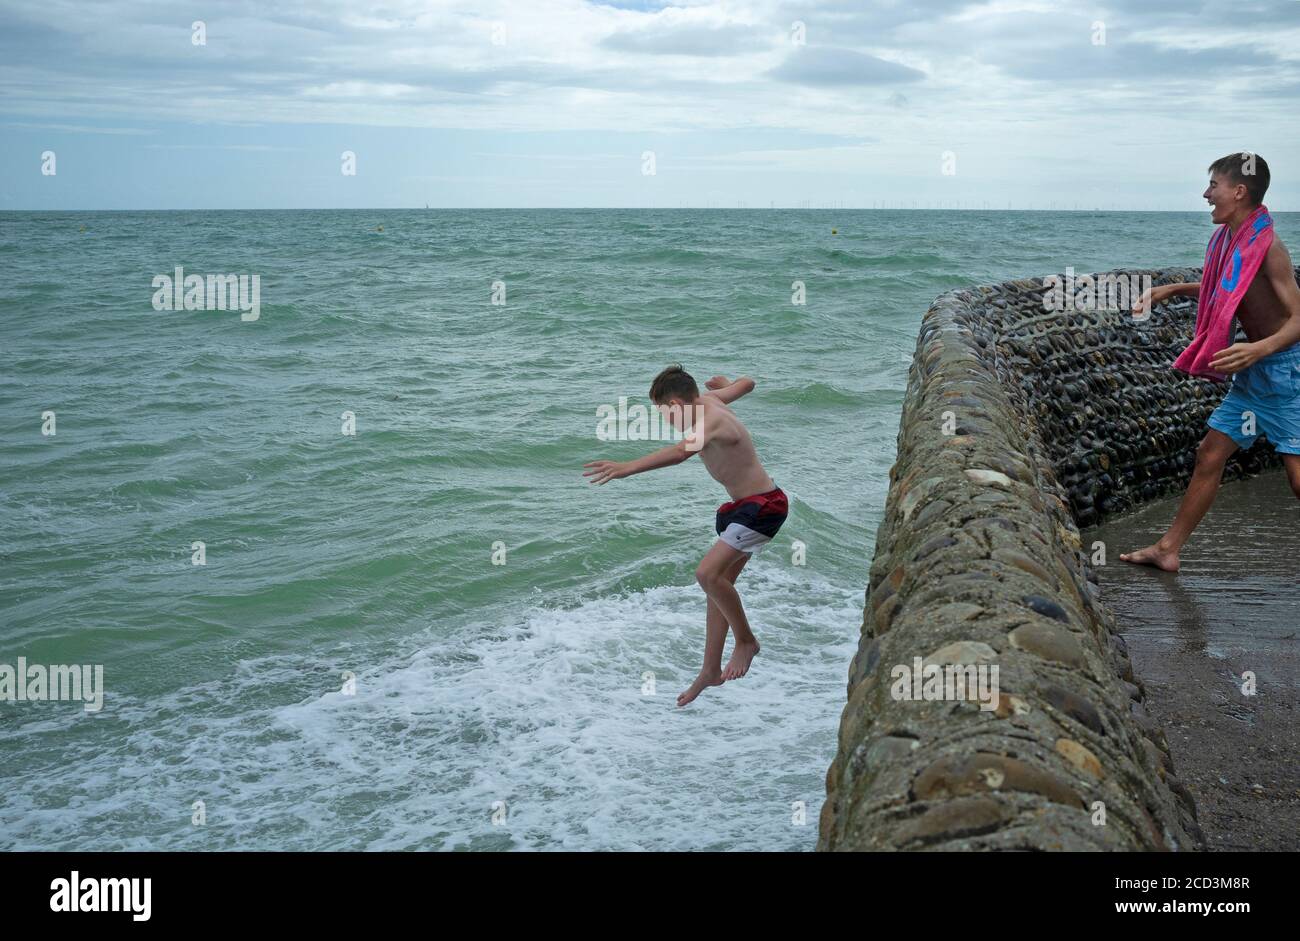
1234 607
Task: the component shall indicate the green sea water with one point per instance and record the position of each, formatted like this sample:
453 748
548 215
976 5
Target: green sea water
524 705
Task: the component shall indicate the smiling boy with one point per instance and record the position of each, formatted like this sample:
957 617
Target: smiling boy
1264 396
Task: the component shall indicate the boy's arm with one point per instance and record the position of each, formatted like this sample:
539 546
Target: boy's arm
1162 293
727 392
602 471
1281 277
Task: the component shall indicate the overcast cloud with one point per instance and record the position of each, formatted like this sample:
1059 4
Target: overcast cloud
556 102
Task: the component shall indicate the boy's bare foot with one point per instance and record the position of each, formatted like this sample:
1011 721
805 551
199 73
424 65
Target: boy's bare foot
1166 559
741 657
706 678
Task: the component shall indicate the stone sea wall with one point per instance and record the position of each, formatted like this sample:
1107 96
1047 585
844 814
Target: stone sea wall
1019 426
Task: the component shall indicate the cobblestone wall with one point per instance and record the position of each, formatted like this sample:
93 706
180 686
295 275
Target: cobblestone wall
1019 426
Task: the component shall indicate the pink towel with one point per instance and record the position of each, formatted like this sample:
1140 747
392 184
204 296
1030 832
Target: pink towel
1230 266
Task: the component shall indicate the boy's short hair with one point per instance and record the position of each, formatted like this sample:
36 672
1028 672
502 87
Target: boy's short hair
673 382
1245 168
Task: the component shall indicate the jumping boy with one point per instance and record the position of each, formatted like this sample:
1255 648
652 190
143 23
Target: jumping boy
1265 392
757 509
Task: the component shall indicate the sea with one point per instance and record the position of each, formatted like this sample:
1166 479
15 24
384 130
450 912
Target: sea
335 556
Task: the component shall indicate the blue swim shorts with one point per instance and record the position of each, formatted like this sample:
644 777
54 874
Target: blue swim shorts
1264 399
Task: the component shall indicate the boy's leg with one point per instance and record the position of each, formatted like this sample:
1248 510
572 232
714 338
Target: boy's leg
711 574
716 622
714 640
1211 455
1292 464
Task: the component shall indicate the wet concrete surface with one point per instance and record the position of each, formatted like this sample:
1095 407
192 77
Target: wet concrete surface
1233 608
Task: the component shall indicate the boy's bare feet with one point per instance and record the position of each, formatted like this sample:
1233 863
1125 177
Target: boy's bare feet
1166 559
706 678
741 657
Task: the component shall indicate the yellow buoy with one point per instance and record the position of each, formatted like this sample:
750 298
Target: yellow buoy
835 231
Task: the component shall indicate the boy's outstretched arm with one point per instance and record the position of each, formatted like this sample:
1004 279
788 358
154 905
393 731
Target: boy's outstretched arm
726 391
602 471
1161 293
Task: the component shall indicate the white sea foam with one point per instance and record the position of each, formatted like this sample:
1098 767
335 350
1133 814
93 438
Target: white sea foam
545 713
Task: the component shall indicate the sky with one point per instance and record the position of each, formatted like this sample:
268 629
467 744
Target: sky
149 104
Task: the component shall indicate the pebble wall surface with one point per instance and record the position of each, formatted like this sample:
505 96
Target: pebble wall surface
1020 425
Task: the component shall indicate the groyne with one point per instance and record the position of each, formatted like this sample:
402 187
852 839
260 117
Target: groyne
1020 425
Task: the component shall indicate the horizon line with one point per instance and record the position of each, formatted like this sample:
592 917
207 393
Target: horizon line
619 209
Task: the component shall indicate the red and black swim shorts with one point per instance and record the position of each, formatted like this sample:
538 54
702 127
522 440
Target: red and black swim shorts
749 523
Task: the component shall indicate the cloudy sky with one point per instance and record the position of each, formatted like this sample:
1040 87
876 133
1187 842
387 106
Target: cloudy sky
1116 104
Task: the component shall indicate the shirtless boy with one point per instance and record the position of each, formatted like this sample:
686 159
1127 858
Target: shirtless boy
1265 370
757 509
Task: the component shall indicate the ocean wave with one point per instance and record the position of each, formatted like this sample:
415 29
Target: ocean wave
813 395
565 715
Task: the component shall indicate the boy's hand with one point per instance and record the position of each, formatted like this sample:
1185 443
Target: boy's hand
1236 357
717 382
602 471
1150 297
